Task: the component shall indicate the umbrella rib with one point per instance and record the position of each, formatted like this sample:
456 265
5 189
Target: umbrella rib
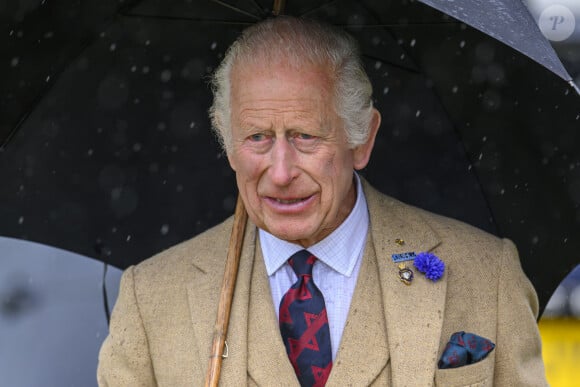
258 7
236 9
105 296
318 7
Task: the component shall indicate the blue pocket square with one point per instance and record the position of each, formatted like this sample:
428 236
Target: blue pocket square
464 348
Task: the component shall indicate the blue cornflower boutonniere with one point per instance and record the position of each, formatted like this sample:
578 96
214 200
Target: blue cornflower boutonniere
430 265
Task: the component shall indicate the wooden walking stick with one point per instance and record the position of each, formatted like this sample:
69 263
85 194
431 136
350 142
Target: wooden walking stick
226 295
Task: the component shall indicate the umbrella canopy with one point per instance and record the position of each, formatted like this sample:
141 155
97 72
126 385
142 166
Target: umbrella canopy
116 159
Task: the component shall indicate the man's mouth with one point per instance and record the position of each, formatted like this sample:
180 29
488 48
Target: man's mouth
289 201
289 205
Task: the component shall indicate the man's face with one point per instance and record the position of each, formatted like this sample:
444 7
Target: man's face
294 167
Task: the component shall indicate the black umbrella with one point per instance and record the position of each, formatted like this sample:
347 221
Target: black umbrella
116 159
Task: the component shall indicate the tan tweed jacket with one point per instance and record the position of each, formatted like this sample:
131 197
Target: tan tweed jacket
162 325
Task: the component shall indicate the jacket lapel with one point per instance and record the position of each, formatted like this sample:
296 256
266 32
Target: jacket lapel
268 363
363 351
414 313
203 294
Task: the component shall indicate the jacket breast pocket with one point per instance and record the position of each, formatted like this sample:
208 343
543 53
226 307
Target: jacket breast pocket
479 374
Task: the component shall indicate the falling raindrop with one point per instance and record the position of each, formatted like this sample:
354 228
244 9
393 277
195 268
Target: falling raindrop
462 44
378 65
137 147
413 42
145 69
455 89
47 78
386 90
418 113
14 62
21 220
113 47
133 68
147 42
535 239
213 46
164 229
128 238
165 75
90 152
48 35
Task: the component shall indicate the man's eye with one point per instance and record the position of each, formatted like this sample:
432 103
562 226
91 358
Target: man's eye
304 136
257 137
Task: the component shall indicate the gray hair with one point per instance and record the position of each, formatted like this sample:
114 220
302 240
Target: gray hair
299 41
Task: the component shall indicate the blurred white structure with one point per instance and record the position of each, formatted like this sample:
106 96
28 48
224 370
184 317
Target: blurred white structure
52 316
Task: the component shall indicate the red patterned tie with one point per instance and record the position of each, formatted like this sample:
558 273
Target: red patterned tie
304 324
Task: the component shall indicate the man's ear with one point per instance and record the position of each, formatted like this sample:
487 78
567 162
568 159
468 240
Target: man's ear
362 153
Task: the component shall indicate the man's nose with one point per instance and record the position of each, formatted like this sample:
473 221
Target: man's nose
282 169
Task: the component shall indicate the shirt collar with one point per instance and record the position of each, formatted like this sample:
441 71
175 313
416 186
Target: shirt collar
339 250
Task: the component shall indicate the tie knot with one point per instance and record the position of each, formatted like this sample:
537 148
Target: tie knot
302 262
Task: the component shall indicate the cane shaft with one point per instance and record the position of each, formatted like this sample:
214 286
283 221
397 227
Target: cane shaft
226 295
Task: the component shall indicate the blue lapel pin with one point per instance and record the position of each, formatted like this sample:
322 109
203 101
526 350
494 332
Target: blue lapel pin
401 257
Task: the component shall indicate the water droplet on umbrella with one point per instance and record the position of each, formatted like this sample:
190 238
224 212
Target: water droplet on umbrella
164 229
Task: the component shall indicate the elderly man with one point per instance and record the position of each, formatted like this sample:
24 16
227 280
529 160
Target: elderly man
338 284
